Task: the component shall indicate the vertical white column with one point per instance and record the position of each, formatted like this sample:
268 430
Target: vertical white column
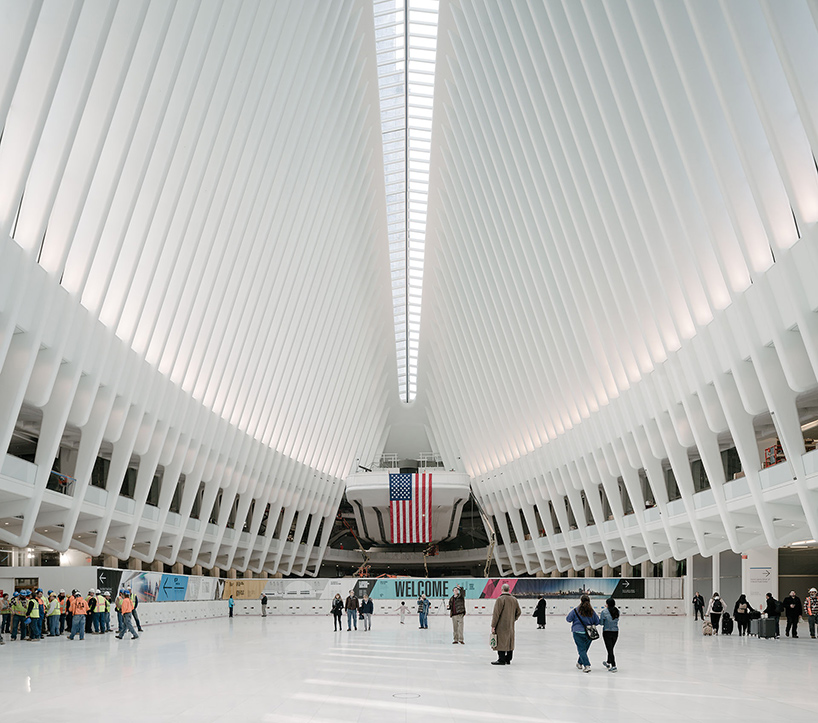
716 573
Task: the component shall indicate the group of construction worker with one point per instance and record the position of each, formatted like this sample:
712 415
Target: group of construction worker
27 611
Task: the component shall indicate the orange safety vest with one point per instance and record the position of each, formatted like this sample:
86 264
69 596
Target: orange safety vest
62 605
80 606
127 605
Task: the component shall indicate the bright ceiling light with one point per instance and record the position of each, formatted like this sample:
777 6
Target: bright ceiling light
406 42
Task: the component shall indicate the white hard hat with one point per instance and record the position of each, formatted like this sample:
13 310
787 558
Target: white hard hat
62 591
97 592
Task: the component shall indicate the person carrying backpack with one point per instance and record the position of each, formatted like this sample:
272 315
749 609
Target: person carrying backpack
714 609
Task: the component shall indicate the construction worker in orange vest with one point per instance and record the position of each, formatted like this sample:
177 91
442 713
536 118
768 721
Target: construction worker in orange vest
126 606
79 609
63 600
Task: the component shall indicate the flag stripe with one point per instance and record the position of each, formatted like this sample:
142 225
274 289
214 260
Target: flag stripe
410 507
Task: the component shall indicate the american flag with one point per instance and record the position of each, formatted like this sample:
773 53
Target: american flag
410 507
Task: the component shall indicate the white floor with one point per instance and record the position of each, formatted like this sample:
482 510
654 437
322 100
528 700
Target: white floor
296 669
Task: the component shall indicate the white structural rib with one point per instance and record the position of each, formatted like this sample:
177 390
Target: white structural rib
406 41
192 282
621 273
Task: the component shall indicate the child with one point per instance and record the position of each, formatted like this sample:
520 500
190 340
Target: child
402 610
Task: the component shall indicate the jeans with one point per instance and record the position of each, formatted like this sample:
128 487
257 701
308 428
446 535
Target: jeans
5 626
127 624
424 619
367 621
36 628
96 622
106 621
352 619
792 625
457 628
120 630
16 622
54 625
609 637
77 626
136 619
583 642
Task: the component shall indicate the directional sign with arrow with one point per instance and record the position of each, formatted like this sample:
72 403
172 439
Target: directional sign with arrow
633 588
172 587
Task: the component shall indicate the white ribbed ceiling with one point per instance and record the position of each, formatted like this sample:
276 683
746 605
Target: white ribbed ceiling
206 177
210 261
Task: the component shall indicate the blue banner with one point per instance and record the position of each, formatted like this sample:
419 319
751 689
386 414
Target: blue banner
172 587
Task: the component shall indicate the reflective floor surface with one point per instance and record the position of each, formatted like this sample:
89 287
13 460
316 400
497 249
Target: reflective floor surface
296 669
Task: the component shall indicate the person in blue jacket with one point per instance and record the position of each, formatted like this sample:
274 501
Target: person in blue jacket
423 611
230 604
610 631
580 618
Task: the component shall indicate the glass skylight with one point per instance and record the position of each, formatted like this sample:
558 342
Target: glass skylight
406 42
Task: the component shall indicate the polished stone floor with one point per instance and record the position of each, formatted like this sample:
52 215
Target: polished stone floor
296 669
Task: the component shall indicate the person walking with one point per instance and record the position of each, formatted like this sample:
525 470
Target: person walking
610 631
79 610
581 618
423 612
127 617
457 611
135 600
698 606
337 612
539 613
403 611
810 610
773 610
263 605
351 605
792 609
741 612
503 619
714 610
230 605
367 608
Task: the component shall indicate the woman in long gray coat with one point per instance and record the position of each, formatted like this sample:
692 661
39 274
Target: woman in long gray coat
506 613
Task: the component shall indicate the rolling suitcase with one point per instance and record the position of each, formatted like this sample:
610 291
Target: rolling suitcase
726 624
754 626
766 628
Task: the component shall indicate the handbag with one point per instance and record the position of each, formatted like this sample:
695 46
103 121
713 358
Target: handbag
590 630
493 641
